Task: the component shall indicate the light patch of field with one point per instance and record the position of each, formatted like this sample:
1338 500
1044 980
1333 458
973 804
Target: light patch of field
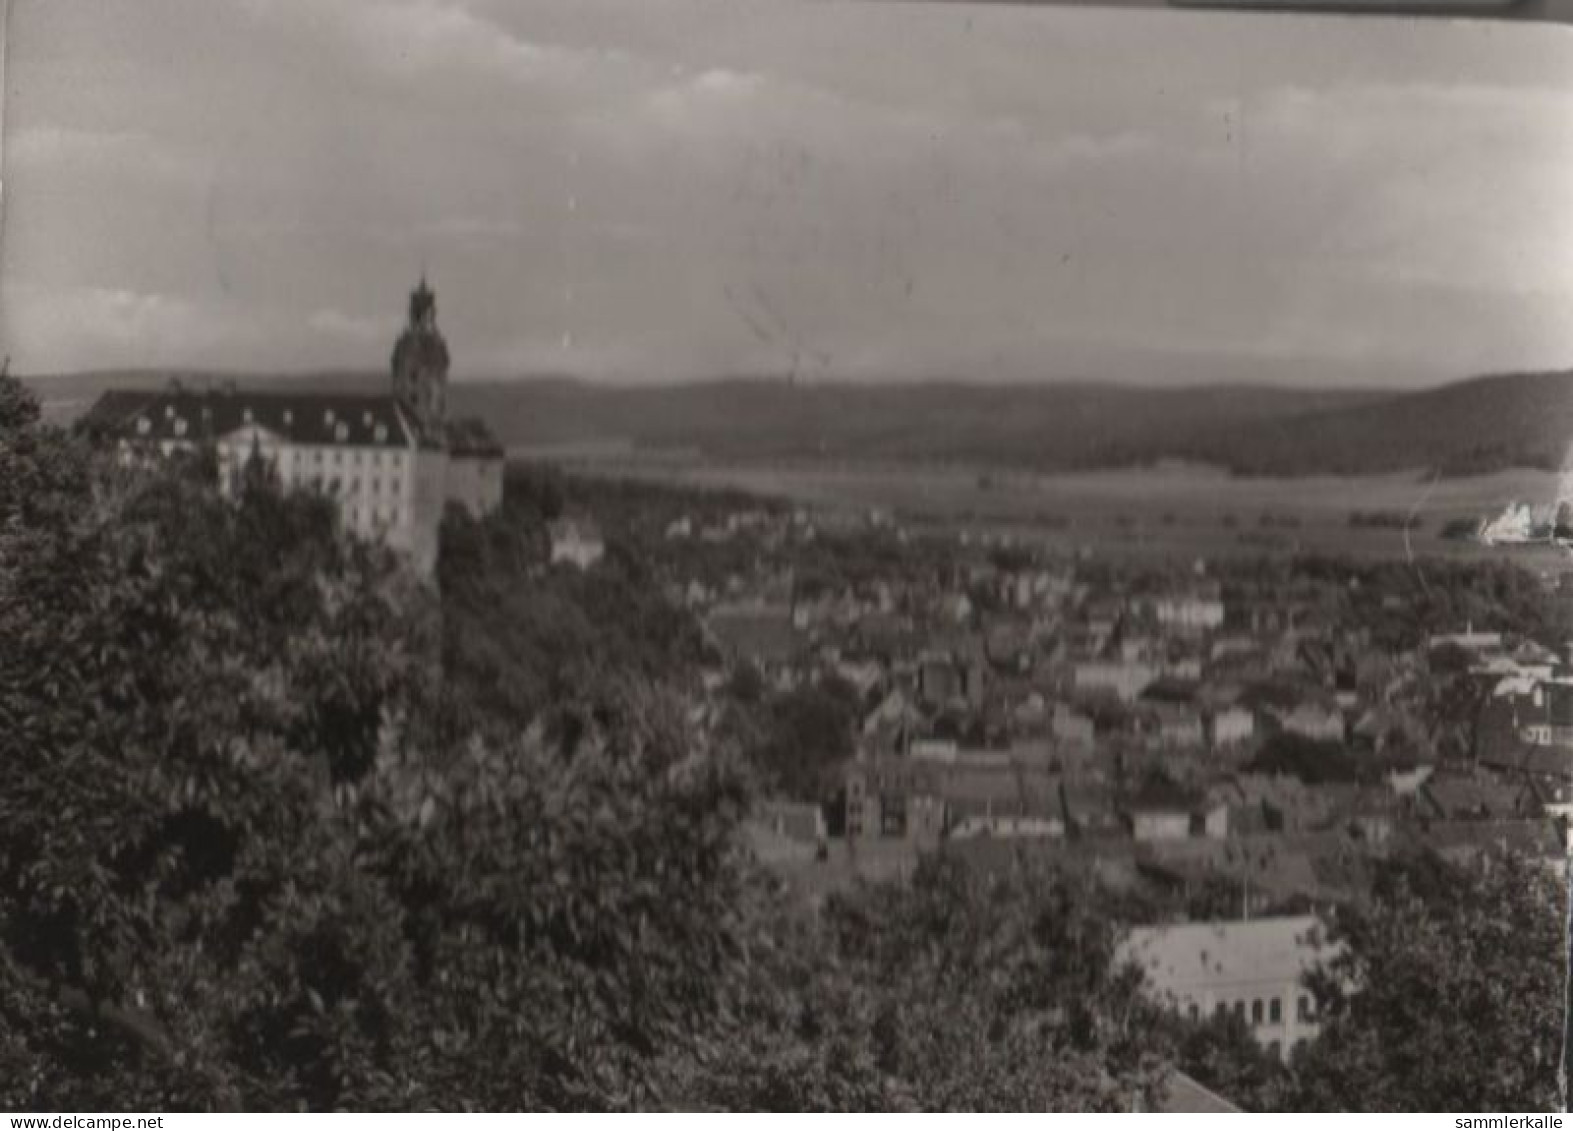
1169 510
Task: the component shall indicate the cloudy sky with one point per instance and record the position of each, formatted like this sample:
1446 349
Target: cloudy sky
648 189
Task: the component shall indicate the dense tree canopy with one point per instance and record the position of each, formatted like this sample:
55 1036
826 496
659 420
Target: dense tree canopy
273 836
249 859
961 990
519 636
1448 997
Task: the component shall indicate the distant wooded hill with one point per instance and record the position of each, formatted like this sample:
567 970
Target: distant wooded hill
1470 427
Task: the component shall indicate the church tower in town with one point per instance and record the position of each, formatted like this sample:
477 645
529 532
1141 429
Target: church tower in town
420 365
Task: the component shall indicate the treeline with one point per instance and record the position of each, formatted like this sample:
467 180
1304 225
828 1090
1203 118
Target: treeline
1467 428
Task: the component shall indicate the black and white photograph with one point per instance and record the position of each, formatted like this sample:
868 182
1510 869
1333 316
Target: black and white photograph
785 556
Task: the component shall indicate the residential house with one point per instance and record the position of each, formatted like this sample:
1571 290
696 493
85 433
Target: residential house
1548 721
1178 726
799 820
1232 726
1069 727
781 832
893 798
1189 614
1089 808
1123 680
1161 811
576 541
1477 796
1313 721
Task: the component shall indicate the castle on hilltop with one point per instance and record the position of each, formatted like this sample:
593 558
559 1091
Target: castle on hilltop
392 461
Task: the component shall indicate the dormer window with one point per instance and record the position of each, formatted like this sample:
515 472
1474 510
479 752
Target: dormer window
144 426
327 416
381 433
365 418
341 431
245 415
289 417
180 426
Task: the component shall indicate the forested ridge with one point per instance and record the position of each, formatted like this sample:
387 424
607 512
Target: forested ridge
1466 427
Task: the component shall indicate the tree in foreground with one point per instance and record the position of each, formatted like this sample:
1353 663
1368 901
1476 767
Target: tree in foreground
250 858
1449 996
239 869
961 990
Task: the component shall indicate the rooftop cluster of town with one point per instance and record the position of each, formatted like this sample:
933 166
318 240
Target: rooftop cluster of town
1234 741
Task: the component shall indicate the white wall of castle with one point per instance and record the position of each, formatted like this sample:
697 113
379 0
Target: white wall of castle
393 494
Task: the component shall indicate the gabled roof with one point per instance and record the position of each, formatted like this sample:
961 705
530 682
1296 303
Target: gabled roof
1202 954
1535 836
347 419
1156 796
1180 1093
758 632
1453 796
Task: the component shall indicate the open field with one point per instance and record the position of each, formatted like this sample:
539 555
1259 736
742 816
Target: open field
1174 509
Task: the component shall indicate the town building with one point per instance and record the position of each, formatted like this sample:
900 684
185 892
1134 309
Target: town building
1549 719
1124 680
576 541
1253 968
1189 614
391 462
1232 726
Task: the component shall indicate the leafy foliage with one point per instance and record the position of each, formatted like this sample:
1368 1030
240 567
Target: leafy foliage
1448 997
519 636
961 990
1222 1053
280 828
798 739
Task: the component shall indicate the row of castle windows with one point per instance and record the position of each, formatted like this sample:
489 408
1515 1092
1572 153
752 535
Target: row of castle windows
341 430
352 486
394 461
374 516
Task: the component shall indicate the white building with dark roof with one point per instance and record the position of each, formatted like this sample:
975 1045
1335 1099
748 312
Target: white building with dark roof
391 461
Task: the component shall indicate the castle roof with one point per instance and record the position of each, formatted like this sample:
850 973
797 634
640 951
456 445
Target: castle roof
349 419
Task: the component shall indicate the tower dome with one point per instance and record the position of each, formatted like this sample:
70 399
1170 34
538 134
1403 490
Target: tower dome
420 364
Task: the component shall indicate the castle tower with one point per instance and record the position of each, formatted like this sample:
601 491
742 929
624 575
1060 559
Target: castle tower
420 365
